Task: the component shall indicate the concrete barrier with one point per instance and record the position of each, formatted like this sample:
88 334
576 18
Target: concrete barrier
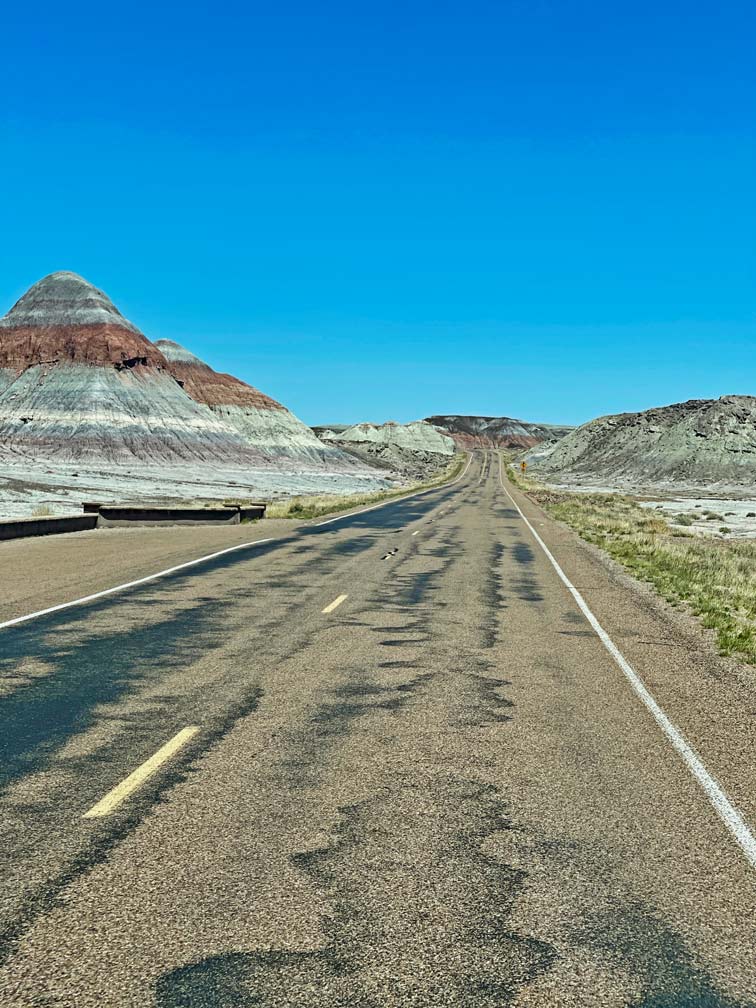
116 515
251 512
111 515
18 528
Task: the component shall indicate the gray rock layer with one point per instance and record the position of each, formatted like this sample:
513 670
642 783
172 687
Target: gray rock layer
80 411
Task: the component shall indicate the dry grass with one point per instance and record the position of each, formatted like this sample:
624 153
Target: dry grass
42 511
323 504
714 579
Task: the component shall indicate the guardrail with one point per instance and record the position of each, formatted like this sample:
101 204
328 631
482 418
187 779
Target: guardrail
132 514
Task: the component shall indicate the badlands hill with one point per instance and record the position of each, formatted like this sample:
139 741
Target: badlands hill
90 408
79 381
694 444
496 432
415 449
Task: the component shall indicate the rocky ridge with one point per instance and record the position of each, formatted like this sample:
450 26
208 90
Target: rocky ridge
415 450
698 443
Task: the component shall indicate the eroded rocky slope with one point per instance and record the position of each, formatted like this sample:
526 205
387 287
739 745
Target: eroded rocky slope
416 449
699 443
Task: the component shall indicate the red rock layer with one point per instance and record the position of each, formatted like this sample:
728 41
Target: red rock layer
217 389
106 344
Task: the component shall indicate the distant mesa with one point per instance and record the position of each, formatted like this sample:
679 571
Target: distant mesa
496 432
698 443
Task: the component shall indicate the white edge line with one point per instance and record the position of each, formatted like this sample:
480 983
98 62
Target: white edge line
718 799
130 584
210 556
137 777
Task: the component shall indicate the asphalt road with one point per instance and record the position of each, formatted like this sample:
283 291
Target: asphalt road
443 790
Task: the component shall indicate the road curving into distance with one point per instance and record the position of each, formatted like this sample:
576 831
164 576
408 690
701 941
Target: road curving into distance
386 760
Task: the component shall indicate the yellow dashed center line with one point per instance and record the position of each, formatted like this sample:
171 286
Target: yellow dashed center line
335 604
122 791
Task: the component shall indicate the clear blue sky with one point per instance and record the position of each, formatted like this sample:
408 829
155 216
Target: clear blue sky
384 210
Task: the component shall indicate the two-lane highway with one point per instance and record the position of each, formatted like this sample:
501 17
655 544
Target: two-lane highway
385 760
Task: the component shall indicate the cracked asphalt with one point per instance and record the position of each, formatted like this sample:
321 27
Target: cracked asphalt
443 792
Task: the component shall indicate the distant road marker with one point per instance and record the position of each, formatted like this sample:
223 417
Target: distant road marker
121 792
335 604
718 799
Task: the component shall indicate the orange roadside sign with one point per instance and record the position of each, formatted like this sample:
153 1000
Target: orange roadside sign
523 466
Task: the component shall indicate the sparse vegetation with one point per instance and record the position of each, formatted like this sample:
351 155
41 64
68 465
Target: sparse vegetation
715 579
713 516
42 511
323 504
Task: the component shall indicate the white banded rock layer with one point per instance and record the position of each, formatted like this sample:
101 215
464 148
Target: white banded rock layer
417 436
258 419
81 411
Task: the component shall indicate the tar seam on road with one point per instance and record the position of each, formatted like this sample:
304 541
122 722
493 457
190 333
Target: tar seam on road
142 773
202 559
335 604
719 801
